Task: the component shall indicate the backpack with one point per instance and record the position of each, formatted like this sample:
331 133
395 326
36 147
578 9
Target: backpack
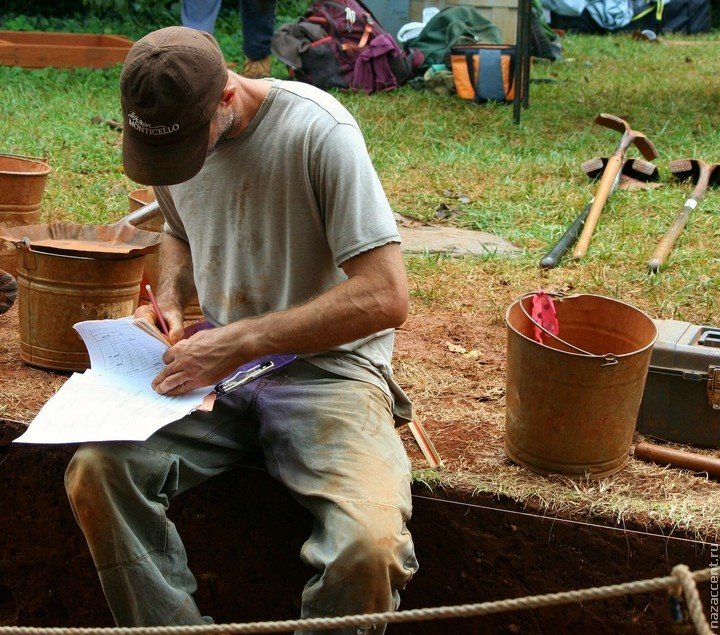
339 44
453 26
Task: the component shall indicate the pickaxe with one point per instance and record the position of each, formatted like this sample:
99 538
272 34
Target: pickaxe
635 168
610 173
704 175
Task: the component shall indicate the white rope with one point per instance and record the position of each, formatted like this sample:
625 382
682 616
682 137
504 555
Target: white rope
681 580
692 598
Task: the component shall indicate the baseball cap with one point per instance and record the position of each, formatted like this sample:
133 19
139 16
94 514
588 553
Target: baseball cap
171 85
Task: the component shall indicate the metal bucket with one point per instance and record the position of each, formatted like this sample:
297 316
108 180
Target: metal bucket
572 404
138 198
22 184
56 291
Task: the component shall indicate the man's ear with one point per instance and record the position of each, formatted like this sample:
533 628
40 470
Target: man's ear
228 94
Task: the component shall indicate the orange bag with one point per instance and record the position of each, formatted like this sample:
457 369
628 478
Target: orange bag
484 72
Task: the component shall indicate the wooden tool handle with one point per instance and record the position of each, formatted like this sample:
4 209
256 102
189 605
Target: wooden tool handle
662 455
607 184
662 251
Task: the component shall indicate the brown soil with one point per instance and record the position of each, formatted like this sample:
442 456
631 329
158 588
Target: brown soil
493 540
450 358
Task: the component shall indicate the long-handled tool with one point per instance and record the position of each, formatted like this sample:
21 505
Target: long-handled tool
612 169
681 459
634 168
704 175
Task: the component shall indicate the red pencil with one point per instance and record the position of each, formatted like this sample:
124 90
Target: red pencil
161 319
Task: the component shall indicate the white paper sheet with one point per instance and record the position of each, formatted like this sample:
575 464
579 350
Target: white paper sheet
114 400
121 348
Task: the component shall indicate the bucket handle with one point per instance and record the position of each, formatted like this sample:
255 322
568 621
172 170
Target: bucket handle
140 215
23 243
30 257
22 156
610 359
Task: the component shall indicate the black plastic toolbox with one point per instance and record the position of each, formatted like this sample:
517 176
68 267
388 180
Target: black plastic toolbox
681 401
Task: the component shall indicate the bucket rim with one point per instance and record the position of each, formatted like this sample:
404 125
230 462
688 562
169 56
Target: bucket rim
137 195
35 160
587 355
74 257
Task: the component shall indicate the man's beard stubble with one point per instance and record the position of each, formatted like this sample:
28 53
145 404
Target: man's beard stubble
225 126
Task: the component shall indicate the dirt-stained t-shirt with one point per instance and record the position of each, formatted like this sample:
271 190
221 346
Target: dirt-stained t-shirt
275 211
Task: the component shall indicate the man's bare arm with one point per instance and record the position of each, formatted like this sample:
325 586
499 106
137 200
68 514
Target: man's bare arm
373 298
175 286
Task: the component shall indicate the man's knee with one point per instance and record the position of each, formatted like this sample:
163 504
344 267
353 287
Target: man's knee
83 475
379 546
85 469
93 473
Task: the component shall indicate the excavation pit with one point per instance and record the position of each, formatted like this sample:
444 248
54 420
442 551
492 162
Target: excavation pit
243 533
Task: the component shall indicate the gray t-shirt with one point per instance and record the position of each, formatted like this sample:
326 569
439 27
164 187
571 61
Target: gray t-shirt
275 211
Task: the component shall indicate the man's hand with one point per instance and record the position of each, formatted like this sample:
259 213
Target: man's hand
173 319
201 360
372 299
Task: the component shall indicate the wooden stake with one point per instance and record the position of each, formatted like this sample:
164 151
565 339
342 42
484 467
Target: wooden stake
424 443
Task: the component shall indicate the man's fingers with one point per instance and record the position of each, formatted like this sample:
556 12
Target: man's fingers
175 327
176 334
170 385
181 389
176 385
145 311
168 379
174 379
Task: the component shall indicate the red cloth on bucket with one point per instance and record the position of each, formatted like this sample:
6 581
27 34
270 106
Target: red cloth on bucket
543 313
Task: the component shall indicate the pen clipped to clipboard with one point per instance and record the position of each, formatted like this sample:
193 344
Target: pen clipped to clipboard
243 374
252 370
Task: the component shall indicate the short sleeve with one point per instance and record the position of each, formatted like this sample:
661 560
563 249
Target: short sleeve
352 201
173 224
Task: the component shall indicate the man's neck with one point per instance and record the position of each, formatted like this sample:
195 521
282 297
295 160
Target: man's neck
250 95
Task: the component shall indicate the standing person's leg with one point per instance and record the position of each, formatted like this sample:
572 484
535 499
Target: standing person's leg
332 442
200 14
258 26
119 494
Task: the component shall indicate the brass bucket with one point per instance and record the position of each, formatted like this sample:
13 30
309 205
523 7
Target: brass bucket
22 185
138 198
572 403
55 291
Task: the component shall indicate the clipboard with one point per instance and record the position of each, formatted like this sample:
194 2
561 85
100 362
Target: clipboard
252 370
248 371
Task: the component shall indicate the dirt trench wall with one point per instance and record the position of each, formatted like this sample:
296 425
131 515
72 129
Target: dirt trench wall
243 534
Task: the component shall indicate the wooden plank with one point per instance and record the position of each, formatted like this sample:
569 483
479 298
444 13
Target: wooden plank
33 49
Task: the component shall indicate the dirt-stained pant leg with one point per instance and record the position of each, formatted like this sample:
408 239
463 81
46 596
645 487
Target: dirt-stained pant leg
120 492
332 442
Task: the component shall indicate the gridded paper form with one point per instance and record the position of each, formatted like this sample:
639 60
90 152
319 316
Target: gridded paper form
114 400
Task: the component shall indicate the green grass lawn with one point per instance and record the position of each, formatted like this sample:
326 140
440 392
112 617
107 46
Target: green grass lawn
523 182
433 152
